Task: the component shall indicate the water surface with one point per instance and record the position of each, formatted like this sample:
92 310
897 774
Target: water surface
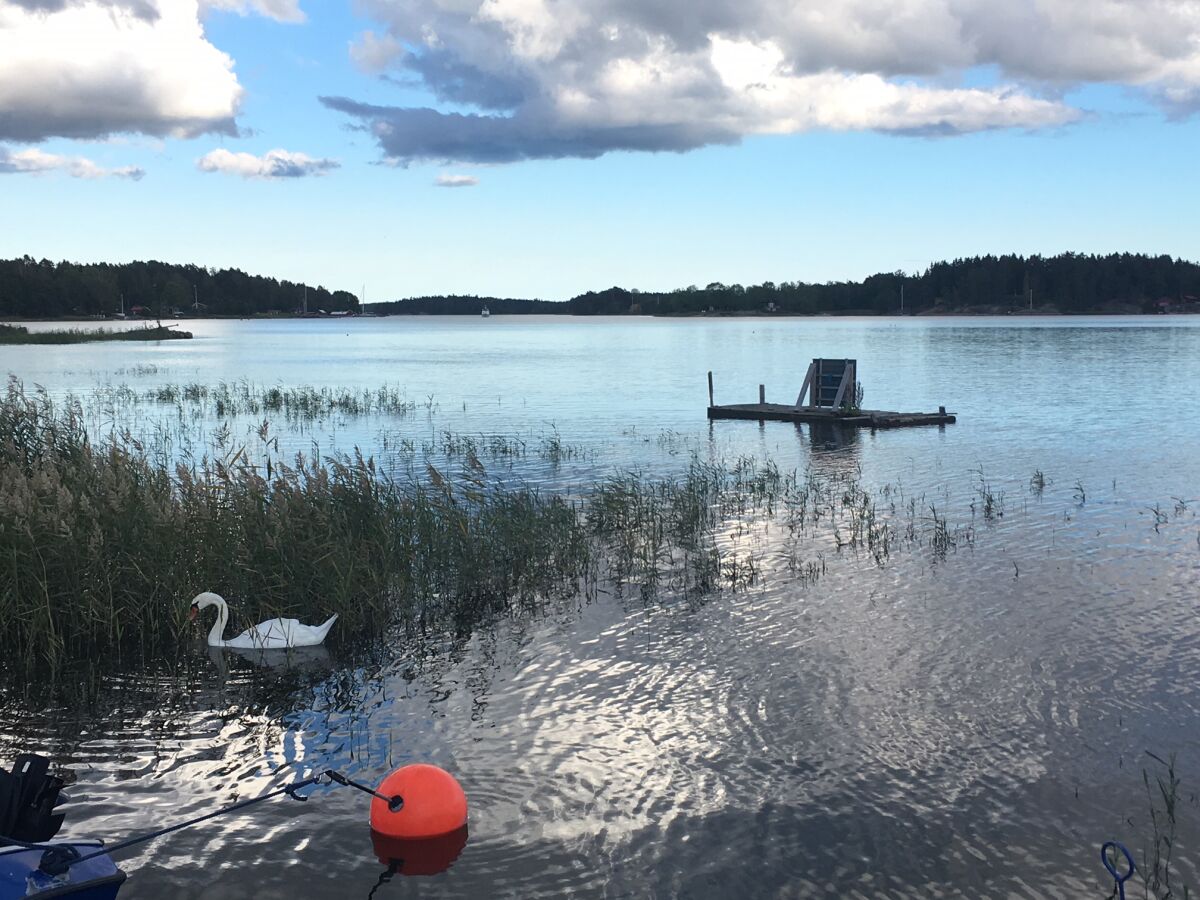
966 724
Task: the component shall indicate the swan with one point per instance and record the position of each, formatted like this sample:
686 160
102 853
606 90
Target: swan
273 634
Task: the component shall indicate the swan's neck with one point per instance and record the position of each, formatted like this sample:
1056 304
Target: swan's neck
215 636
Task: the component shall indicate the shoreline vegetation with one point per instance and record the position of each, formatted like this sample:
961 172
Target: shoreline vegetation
105 538
1067 284
15 334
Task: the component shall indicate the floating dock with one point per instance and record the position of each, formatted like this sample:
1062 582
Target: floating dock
863 418
833 393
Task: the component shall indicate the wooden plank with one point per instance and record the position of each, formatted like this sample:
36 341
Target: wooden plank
864 419
808 386
841 391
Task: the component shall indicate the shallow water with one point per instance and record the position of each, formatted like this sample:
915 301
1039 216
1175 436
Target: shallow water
973 724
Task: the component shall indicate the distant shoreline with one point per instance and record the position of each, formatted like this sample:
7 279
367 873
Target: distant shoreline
716 314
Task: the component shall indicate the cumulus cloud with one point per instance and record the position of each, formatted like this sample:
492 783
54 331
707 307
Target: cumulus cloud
272 164
456 181
549 78
279 10
144 8
88 70
33 161
373 53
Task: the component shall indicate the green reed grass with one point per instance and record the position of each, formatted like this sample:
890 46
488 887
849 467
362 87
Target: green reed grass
19 334
103 546
103 540
243 398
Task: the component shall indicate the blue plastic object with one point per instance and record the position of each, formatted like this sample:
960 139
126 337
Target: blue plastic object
1112 869
93 879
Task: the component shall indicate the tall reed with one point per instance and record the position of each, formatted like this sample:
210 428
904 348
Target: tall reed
102 547
103 541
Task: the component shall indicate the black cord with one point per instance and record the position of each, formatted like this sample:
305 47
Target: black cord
384 877
55 862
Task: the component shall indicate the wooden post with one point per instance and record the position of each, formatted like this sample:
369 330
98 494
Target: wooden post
762 394
710 392
941 410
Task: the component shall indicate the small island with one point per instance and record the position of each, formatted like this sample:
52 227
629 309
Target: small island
18 334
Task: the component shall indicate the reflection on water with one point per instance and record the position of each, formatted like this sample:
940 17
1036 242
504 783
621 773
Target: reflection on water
964 724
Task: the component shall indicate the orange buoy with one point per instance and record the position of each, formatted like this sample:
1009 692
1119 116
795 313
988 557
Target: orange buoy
427 802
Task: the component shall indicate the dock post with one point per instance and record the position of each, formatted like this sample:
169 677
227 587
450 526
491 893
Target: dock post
941 410
762 394
710 393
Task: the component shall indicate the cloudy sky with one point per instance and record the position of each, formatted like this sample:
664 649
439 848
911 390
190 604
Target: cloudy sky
545 147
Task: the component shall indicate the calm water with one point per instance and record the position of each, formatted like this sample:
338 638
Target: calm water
959 727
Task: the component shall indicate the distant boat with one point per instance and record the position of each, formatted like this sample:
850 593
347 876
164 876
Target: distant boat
484 312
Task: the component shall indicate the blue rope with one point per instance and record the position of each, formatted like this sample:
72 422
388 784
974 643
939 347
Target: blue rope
1111 865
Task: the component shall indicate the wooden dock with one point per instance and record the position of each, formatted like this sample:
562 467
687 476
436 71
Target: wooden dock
829 386
863 418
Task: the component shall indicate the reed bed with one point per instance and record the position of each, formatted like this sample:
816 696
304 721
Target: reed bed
19 334
104 541
244 398
102 546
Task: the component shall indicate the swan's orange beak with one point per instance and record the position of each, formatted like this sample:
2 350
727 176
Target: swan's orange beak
193 612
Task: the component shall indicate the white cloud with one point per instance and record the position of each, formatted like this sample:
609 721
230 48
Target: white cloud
584 77
456 181
91 69
373 53
279 10
272 164
36 162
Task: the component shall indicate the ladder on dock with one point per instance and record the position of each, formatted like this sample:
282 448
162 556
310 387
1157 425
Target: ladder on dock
830 383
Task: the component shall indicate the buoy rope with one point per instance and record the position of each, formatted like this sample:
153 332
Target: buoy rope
395 803
60 857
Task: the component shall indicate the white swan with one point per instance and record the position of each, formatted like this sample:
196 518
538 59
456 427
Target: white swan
273 634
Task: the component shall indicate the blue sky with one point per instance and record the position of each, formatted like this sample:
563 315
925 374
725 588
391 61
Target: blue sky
834 175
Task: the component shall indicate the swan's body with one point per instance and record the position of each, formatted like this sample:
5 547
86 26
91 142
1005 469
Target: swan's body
273 634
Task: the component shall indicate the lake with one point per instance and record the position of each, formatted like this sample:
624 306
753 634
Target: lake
964 723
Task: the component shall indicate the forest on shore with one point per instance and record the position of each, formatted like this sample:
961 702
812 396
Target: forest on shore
41 289
1067 283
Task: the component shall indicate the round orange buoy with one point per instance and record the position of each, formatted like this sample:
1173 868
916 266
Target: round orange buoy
427 802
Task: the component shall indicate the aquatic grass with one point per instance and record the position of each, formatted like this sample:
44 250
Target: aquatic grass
105 538
990 502
302 402
1162 795
103 546
1037 483
19 334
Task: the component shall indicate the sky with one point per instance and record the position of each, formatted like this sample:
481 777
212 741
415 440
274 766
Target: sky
542 148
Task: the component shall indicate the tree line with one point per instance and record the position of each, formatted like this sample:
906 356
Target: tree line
1067 283
32 288
465 305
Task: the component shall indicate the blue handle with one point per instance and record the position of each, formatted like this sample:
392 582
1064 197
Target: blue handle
1112 869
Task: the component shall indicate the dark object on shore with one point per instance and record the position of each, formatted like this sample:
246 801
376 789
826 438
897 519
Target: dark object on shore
19 334
30 867
833 393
